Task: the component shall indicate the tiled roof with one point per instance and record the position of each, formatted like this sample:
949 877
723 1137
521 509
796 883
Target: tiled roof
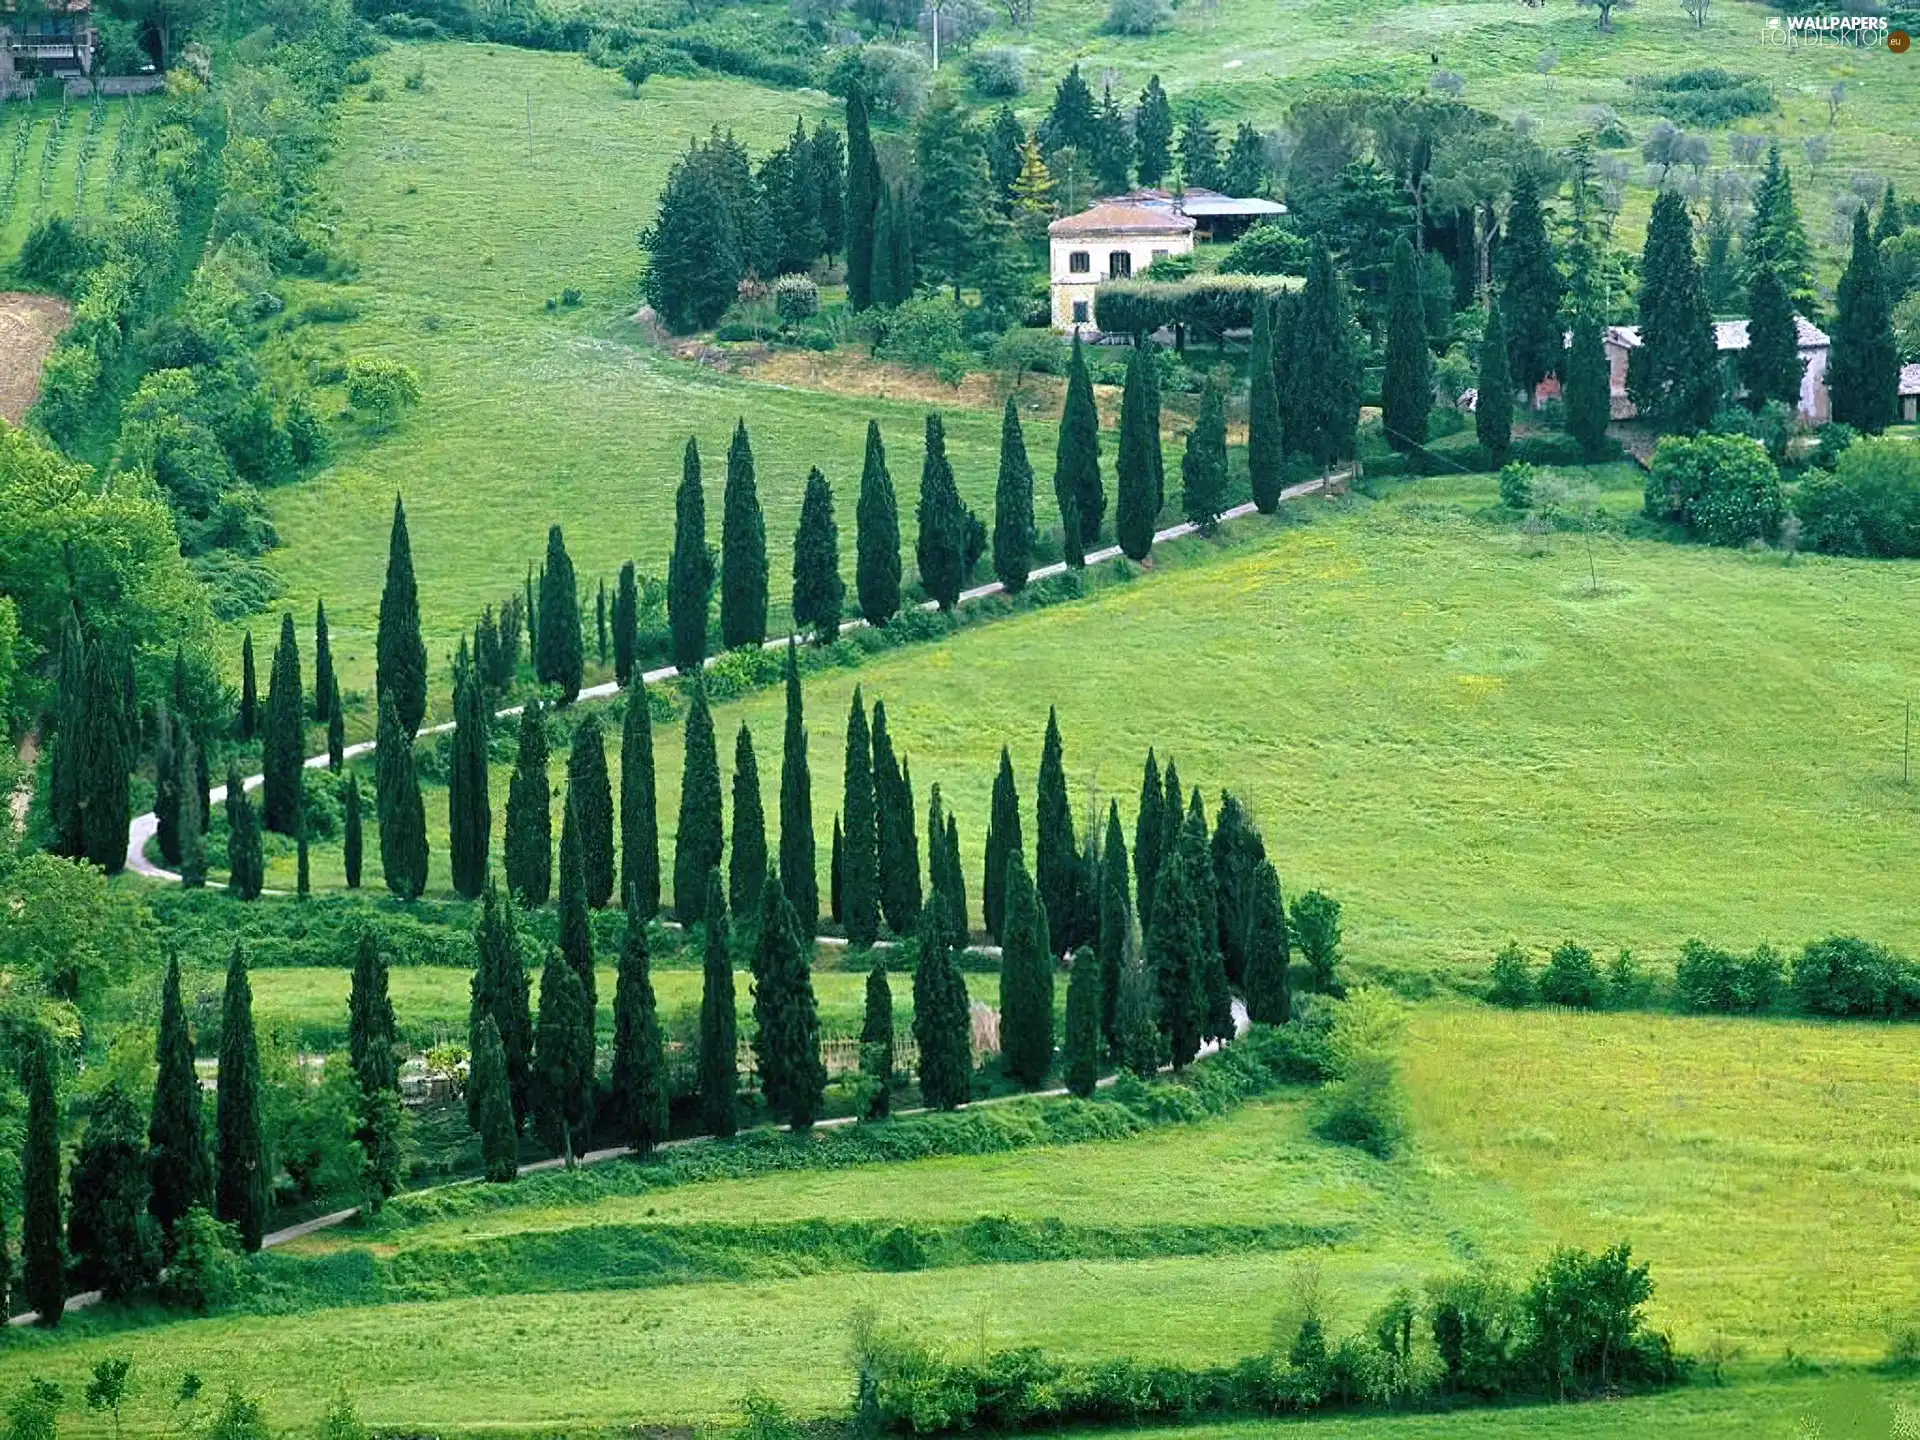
1113 218
1728 335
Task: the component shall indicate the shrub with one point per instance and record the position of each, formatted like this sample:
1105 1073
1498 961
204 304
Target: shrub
1512 978
1516 485
1211 303
1169 267
1273 247
1723 488
56 253
1720 982
998 72
1844 976
1313 920
1585 1330
1365 1108
1137 17
1572 978
922 332
1707 97
1833 438
381 389
1868 505
795 298
207 1268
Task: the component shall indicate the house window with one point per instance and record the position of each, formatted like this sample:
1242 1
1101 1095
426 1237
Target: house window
1120 264
1079 262
1079 312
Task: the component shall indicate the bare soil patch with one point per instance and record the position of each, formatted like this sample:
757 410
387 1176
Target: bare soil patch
29 324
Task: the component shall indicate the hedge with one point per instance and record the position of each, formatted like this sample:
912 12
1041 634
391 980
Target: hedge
1213 303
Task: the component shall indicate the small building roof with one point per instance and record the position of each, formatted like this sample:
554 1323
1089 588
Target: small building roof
1910 379
1117 217
1728 335
1207 207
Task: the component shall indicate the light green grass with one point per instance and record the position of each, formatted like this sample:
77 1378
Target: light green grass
26 203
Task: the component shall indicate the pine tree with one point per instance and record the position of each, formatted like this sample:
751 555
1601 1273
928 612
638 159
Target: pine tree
240 1166
114 1242
1003 840
558 658
352 839
1153 133
954 221
1026 980
1770 366
323 676
283 735
528 849
249 715
877 520
1076 473
590 791
499 996
639 1071
245 865
400 655
1056 852
639 809
44 1282
798 877
469 811
1175 944
1674 375
1085 1000
1406 387
860 842
1199 151
1116 910
1267 957
818 590
1493 402
177 1159
743 550
1531 289
562 1058
626 622
863 173
1864 374
876 1042
942 1017
699 836
940 548
402 814
1321 406
105 792
1203 469
690 569
1013 528
490 1103
371 1031
1775 239
336 728
575 926
747 867
1031 191
1112 147
1266 454
787 1042
719 1025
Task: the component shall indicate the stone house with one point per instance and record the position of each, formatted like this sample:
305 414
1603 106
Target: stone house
1729 338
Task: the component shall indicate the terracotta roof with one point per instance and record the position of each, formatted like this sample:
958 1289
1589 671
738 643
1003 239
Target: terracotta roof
1910 379
1728 335
1113 218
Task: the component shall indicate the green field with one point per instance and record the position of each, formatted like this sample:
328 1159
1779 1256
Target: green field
66 168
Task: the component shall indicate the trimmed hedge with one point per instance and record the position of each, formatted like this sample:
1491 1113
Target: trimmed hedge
1213 303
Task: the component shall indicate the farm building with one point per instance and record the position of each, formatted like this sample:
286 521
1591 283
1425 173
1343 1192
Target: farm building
45 39
1729 338
1910 393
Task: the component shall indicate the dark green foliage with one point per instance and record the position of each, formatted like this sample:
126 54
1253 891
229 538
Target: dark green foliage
1842 976
105 798
690 568
626 620
940 547
1176 945
240 1148
1493 403
68 763
639 1071
557 654
1674 374
1013 527
1149 826
576 930
400 655
955 224
860 840
1314 925
302 862
324 681
352 844
748 864
336 729
719 1025
1770 366
699 837
529 832
797 874
1153 133
877 521
1531 290
1586 392
283 736
247 724
942 1016
1268 959
1137 471
1138 1045
1572 978
896 846
490 1105
1076 471
177 1149
1723 983
402 814
1863 374
1026 982
876 1043
168 783
1085 1001
743 550
863 177
818 590
114 1242
1320 404
562 1080
1266 452
1775 239
1512 977
1723 488
639 809
246 867
43 1261
192 833
1586 1334
1406 387
833 874
1869 504
469 810
590 793
499 997
1237 851
944 874
1199 151
1203 469
1116 915
1056 853
371 1033
787 1020
1003 840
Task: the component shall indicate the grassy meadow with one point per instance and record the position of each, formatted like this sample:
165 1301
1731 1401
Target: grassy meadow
61 160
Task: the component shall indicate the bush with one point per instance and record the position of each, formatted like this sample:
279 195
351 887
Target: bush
1512 977
795 298
1585 1332
1833 438
1516 485
56 254
1720 982
1844 976
998 72
1211 303
1706 97
922 332
380 389
1272 247
1868 505
1572 978
1723 488
1365 1108
1137 17
207 1266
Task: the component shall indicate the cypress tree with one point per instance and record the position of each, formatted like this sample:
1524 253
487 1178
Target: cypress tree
748 863
240 1163
576 929
626 624
876 1042
324 681
249 722
1172 812
1013 530
490 1104
1137 470
352 841
1136 1010
1863 375
402 815
528 848
114 1243
1493 404
1770 366
1775 239
1266 454
942 1017
1176 946
557 658
743 550
1589 401
1026 982
562 1057
336 728
105 793
787 1041
639 809
533 614
1115 916
600 621
699 838
1531 287
818 590
719 1026
1406 387
863 173
192 837
302 859
245 865
896 846
1085 999
639 1072
940 548
690 570
400 655
1674 375
1321 406
1203 469
371 1032
1147 831
877 537
68 763
1150 391
1267 958
860 841
1056 852
591 793
499 997
1003 840
177 1151
833 873
44 1278
954 900
1890 224
1237 851
1076 471
797 875
469 811
168 786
